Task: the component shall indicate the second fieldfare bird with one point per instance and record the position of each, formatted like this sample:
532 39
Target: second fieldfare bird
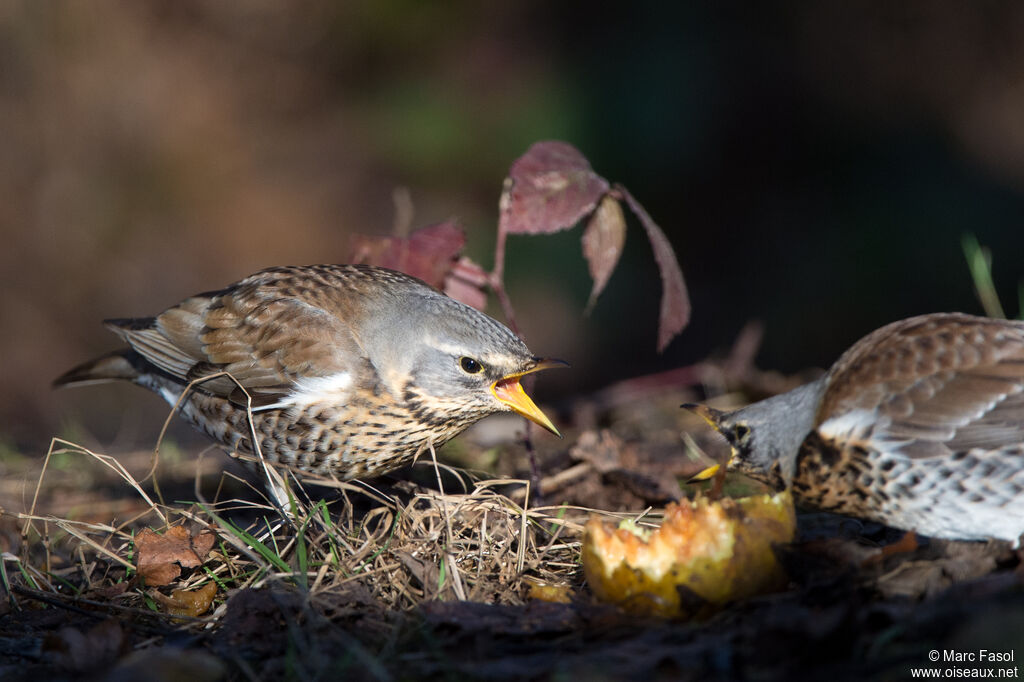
919 425
346 370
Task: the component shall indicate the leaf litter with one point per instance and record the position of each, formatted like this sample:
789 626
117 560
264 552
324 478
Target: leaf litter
473 575
397 579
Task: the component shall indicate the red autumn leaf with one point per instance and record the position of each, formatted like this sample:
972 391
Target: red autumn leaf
603 239
160 558
428 253
549 188
466 283
675 302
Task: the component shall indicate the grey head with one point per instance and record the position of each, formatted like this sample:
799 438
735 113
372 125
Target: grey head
766 436
455 356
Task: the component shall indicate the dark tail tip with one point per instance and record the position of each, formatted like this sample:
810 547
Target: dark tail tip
114 366
129 323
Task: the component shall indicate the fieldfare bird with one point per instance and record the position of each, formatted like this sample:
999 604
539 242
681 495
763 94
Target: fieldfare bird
346 370
919 425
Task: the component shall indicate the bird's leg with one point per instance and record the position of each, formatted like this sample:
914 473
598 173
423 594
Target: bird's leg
277 491
906 544
717 484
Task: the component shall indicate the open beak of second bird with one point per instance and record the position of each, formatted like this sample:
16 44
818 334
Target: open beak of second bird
712 417
509 391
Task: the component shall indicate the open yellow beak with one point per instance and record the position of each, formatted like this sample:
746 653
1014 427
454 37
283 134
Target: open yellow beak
708 414
509 391
705 474
711 416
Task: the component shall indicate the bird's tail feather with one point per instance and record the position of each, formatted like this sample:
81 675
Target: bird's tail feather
121 365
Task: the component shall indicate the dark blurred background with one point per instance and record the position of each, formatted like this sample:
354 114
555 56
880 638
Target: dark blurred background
814 164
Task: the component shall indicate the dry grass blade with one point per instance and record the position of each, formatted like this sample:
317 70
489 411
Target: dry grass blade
69 527
359 549
108 461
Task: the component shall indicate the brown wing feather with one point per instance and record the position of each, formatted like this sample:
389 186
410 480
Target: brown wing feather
265 331
946 382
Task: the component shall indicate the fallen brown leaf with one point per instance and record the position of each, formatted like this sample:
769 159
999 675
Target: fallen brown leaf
160 558
191 603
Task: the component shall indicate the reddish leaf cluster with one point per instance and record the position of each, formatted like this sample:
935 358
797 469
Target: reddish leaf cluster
428 253
552 187
431 253
549 188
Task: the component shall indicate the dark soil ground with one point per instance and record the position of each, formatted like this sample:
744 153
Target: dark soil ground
402 583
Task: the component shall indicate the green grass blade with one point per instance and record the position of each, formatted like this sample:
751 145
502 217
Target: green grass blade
979 262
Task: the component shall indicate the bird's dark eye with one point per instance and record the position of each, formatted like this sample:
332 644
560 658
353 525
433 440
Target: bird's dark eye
469 365
742 432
